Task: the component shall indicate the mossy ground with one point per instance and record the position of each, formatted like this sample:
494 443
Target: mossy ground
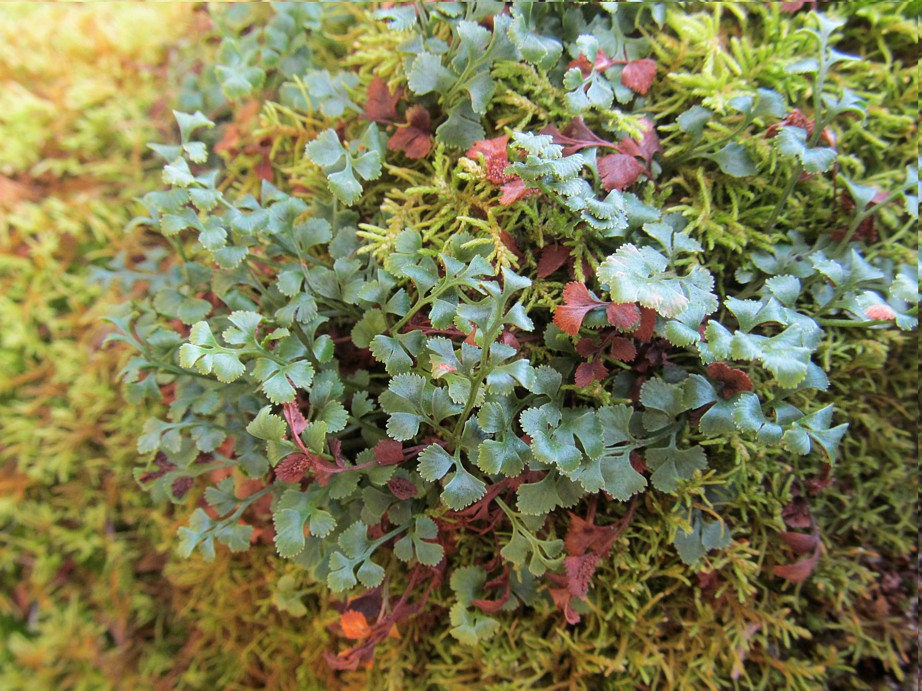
91 595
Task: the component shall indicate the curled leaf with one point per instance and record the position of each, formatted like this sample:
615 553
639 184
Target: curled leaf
381 104
646 146
733 380
354 625
798 571
552 258
800 542
578 301
415 137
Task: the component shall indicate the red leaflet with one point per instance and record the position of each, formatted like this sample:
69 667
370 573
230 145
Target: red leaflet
579 573
295 418
822 482
292 468
587 347
354 625
495 157
414 138
622 349
800 542
494 606
589 372
562 598
644 332
490 606
401 488
577 302
584 536
389 452
638 75
733 380
646 147
619 171
582 62
796 513
552 258
381 104
799 571
623 315
576 136
514 191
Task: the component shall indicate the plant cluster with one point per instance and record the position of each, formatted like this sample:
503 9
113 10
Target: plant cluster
454 325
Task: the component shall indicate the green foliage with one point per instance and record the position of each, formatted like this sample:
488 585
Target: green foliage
370 390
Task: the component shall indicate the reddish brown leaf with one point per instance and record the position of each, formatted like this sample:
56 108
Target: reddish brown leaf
381 104
622 349
587 347
561 598
264 170
623 315
414 138
797 513
354 625
515 190
795 118
589 372
584 536
508 338
646 147
389 452
732 380
582 62
644 332
494 606
295 418
292 468
579 573
798 571
619 171
792 6
552 258
490 606
638 75
800 542
401 488
495 158
577 302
